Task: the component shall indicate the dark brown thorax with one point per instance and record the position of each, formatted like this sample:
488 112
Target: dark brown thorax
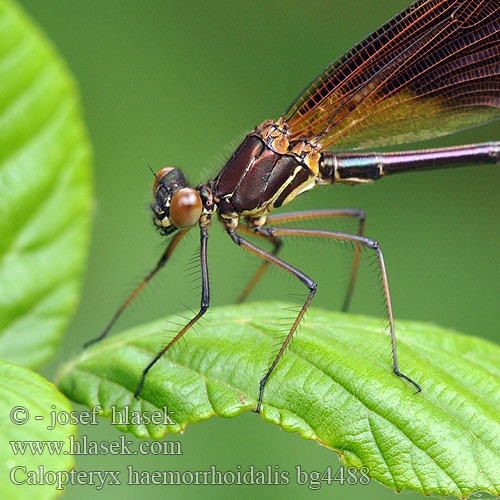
265 172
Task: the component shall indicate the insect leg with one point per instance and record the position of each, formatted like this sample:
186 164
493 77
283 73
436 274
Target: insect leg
371 244
205 302
323 214
277 244
163 259
298 274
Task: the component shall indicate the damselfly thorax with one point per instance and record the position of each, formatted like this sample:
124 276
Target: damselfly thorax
266 172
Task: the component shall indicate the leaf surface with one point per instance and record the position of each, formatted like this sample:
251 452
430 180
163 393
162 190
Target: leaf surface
25 395
334 384
45 192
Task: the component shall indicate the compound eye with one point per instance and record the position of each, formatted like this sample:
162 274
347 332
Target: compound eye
161 173
185 208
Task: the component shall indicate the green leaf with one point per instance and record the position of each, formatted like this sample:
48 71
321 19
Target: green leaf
45 192
26 395
334 384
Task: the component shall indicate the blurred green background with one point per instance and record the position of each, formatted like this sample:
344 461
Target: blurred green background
180 83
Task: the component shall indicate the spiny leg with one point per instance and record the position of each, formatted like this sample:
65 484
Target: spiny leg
308 215
295 272
324 214
361 240
263 266
163 259
205 302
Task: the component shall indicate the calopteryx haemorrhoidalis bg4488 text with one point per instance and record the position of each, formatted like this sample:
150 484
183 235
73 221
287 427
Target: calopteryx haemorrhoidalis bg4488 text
431 70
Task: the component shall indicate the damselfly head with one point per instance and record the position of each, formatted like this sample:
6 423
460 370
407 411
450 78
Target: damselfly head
176 206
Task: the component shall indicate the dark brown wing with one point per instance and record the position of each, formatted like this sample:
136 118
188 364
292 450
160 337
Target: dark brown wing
431 70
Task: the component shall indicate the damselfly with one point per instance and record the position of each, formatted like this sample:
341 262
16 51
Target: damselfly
431 70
